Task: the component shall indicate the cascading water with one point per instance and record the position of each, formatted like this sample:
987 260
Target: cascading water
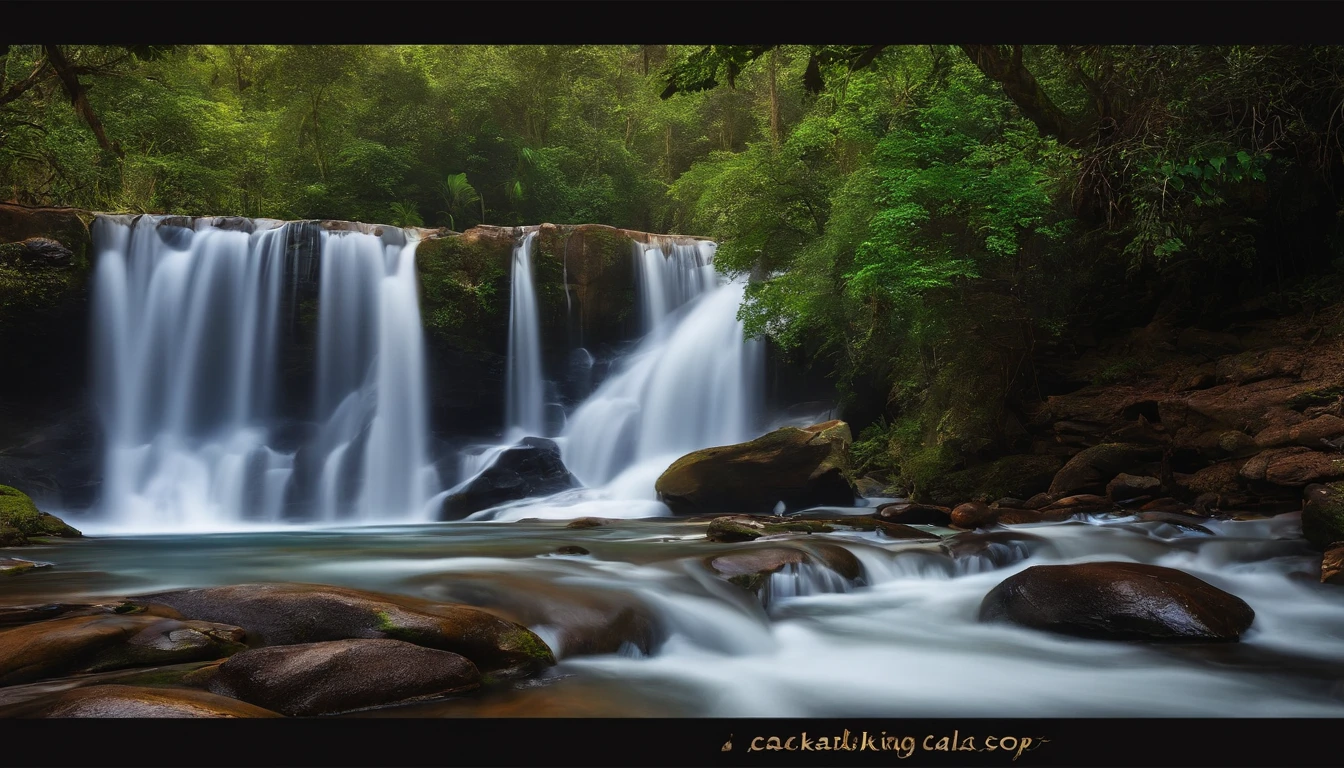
692 383
524 406
188 325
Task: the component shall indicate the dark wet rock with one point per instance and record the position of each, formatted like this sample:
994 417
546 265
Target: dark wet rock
1223 477
869 488
1184 522
1128 487
913 513
736 528
1293 466
1016 476
531 468
580 619
1008 502
834 557
797 467
571 549
751 568
1083 503
1316 433
1118 601
1039 500
974 514
104 642
124 701
341 675
1323 514
587 522
1167 504
1092 469
998 549
1332 564
285 614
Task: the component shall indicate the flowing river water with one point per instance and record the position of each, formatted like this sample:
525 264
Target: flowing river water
207 483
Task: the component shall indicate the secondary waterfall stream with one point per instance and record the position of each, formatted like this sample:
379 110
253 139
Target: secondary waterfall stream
189 321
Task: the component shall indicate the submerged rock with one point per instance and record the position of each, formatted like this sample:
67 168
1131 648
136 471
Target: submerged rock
736 528
751 568
530 468
99 643
799 468
10 566
285 614
125 701
1118 601
341 675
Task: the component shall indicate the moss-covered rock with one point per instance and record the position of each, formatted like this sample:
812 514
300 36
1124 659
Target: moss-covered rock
1092 469
796 467
1020 476
20 519
1323 514
736 528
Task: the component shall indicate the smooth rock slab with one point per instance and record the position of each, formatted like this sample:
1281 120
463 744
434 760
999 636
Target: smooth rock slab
1118 601
341 675
99 643
287 614
126 701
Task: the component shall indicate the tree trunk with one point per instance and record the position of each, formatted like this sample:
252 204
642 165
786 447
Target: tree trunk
79 97
1023 90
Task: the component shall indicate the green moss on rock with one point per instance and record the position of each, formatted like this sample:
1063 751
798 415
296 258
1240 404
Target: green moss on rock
19 513
1323 514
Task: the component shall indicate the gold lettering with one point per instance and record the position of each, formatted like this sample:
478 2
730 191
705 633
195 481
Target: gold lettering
772 744
941 746
753 747
907 746
807 744
990 743
823 743
1003 742
968 745
867 742
789 744
926 746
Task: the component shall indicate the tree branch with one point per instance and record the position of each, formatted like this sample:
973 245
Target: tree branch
18 89
79 96
1024 91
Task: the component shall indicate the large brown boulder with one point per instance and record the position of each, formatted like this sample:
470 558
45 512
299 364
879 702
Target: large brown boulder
105 642
341 675
1323 514
798 467
1092 469
1118 601
125 701
1294 466
285 614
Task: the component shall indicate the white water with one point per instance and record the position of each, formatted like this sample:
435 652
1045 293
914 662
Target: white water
187 331
524 407
693 382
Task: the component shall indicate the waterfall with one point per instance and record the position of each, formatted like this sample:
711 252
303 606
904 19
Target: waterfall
524 406
693 381
188 329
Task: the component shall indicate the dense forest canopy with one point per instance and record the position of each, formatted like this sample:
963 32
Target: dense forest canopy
934 224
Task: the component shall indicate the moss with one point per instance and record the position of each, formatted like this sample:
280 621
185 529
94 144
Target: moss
1323 396
17 511
524 641
1011 476
11 536
461 281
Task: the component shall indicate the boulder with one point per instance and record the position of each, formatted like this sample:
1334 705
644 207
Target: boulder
751 568
285 614
341 675
911 513
1018 476
125 701
983 550
20 519
530 468
735 528
1127 487
1332 564
1092 469
587 522
1323 514
1118 601
1223 477
1294 466
798 467
974 514
579 619
99 643
1315 433
869 488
